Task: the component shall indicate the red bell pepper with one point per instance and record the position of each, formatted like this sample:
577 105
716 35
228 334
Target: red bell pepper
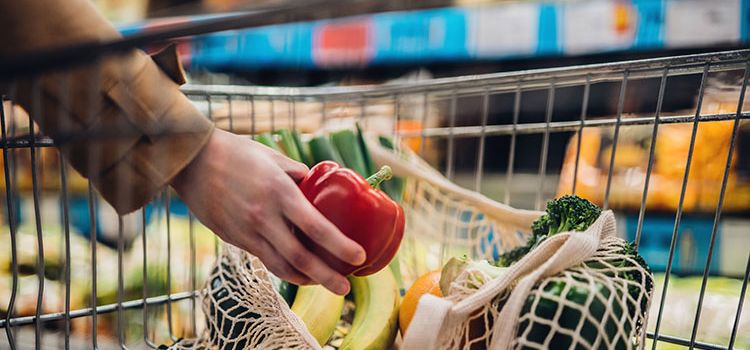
360 210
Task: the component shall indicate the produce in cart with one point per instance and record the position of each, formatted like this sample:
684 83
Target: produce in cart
601 302
428 283
247 307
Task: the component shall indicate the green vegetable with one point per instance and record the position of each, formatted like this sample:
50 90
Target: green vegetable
570 213
304 149
606 314
288 145
387 142
370 166
267 139
395 187
622 265
395 266
351 153
564 214
321 149
287 290
456 266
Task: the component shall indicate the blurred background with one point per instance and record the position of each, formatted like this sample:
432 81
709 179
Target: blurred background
466 37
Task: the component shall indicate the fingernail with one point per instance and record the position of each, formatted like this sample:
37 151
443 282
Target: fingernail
360 258
342 288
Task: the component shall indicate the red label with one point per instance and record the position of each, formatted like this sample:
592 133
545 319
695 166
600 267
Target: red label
343 44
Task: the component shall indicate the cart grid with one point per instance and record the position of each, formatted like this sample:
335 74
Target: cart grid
236 108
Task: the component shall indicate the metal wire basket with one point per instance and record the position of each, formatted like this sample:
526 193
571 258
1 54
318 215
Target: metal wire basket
518 137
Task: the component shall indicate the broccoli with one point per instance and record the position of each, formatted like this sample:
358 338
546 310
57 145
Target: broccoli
568 213
564 214
556 302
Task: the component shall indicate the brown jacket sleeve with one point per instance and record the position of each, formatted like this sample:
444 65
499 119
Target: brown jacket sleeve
122 122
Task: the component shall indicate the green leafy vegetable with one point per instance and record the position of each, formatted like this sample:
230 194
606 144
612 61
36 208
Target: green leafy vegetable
564 214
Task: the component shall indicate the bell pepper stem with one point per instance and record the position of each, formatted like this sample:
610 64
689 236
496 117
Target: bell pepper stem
385 173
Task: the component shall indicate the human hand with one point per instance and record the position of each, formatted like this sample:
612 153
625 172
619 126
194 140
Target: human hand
246 193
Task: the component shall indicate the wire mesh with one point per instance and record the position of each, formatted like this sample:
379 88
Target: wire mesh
504 135
443 94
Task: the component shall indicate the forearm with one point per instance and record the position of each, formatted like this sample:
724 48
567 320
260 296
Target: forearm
122 122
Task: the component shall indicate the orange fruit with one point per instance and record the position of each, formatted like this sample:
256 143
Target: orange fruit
428 283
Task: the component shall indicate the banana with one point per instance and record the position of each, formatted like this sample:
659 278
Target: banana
376 314
319 309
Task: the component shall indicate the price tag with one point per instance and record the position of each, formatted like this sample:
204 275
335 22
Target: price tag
692 23
504 30
593 26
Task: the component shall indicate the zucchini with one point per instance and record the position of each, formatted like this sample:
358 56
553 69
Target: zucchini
321 149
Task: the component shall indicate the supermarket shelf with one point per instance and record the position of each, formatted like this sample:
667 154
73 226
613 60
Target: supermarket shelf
508 30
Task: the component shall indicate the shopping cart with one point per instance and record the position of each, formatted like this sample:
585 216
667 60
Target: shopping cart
478 131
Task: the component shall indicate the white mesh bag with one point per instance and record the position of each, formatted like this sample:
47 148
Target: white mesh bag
243 311
578 290
444 220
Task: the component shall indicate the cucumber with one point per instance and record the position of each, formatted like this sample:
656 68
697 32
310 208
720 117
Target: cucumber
288 146
348 146
321 149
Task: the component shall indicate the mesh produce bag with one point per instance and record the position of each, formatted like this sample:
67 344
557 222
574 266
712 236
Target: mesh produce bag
580 290
444 220
243 311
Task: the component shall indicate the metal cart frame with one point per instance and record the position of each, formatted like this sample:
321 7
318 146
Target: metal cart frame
449 90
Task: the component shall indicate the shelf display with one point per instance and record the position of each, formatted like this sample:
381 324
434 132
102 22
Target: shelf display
494 31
